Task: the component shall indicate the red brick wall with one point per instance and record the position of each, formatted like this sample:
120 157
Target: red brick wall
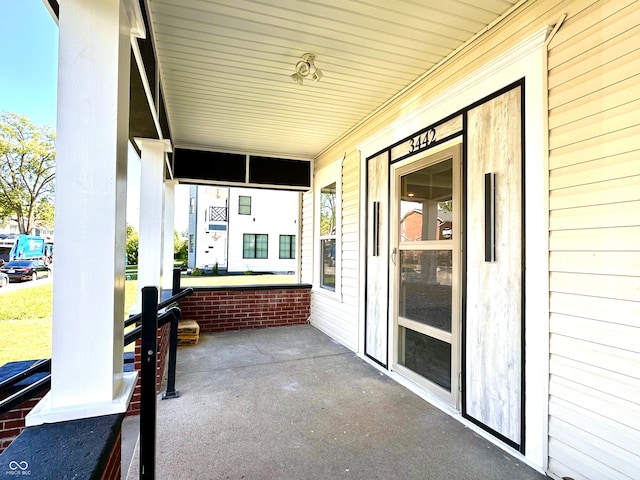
163 352
113 469
12 423
218 310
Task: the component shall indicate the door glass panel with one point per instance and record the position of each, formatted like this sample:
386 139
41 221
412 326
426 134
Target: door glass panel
425 287
426 195
426 204
426 356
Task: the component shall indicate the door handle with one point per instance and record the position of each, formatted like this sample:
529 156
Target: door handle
393 255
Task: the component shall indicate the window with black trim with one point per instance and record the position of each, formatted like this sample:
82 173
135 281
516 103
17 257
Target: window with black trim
287 246
244 205
255 245
328 227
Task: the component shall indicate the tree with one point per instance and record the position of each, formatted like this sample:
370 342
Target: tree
180 248
27 172
132 245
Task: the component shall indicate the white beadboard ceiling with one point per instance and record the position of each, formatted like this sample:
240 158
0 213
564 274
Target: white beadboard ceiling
225 65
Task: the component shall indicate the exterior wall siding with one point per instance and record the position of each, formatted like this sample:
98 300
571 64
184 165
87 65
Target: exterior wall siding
337 316
594 202
306 242
594 225
274 213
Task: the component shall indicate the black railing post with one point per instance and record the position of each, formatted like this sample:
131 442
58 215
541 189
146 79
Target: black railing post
171 391
148 383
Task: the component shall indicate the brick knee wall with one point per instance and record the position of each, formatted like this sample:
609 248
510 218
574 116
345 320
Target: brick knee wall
234 308
12 423
113 468
163 356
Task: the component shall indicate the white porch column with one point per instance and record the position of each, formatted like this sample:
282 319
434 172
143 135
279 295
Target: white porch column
151 234
169 208
91 175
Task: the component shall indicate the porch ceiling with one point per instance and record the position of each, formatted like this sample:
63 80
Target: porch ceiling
225 65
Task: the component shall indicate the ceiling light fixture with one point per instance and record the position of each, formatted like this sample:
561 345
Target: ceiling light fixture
305 68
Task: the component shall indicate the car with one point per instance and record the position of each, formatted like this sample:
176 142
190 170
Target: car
4 279
20 270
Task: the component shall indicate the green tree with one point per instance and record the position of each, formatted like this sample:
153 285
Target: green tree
27 172
328 210
132 245
180 247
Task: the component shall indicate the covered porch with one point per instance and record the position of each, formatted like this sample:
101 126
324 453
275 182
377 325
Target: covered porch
529 105
290 402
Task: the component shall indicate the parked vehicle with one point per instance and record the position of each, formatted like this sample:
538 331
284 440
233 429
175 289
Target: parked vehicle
7 241
25 247
21 270
4 280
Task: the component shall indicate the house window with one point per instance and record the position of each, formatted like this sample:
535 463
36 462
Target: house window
328 227
244 205
287 246
192 205
255 245
191 242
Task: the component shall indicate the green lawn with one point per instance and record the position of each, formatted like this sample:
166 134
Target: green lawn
25 315
25 321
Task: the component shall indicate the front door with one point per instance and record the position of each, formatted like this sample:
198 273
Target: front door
425 264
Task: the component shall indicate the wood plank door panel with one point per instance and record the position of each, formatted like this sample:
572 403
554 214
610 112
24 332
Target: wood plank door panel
493 322
377 292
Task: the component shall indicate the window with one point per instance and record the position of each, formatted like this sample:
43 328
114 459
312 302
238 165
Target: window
244 206
192 205
255 245
328 227
287 246
191 242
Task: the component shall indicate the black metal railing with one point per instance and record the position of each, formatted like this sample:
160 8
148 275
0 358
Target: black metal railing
147 331
29 391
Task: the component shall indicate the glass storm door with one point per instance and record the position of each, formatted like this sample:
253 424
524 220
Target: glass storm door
425 259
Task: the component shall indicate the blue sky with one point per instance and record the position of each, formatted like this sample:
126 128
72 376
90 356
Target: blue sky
28 61
28 84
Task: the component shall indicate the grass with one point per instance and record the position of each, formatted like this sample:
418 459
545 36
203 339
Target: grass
25 321
25 315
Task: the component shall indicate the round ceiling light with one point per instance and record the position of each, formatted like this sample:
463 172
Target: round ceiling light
303 68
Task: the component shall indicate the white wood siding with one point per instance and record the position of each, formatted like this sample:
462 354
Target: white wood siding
350 234
337 315
306 240
594 218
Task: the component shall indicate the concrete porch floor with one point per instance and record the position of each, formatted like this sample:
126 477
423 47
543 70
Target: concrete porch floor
290 403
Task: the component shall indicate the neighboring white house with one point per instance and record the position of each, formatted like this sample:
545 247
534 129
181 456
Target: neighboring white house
242 229
11 228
